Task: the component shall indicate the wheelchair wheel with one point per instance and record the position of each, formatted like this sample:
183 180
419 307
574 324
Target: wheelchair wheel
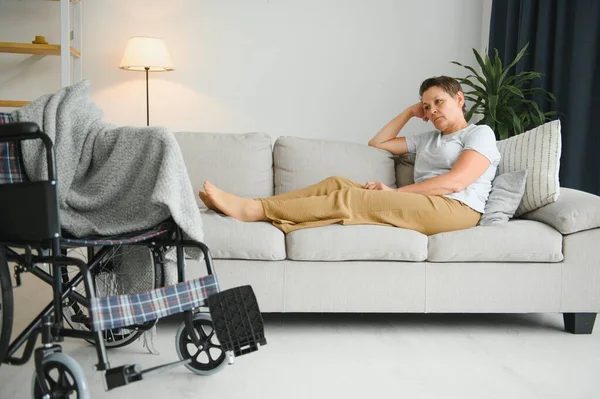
64 376
114 276
6 305
207 359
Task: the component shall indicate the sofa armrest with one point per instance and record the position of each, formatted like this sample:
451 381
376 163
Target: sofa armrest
573 211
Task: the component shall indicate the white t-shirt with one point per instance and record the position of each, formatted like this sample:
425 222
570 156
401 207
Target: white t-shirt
436 153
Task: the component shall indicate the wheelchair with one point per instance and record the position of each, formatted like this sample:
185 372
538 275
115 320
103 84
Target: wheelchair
91 299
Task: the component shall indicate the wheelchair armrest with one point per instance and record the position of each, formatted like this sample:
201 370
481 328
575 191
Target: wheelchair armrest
28 131
18 131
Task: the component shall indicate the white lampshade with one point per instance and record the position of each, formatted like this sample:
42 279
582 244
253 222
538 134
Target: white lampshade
146 52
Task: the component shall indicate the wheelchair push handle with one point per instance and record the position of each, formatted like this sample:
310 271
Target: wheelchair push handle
20 131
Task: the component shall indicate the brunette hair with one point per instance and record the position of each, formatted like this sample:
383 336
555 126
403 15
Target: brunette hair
446 83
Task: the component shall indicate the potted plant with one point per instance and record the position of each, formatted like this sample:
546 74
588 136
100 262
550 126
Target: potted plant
503 97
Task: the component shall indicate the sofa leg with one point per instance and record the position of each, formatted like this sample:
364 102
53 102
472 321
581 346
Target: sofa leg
579 323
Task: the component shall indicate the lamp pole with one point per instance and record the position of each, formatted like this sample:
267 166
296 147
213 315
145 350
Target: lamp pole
147 99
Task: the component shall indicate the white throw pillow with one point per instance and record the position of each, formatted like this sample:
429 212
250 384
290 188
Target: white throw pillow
505 197
537 150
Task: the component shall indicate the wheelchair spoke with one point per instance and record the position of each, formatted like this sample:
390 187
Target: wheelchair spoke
114 273
211 361
62 378
195 355
50 379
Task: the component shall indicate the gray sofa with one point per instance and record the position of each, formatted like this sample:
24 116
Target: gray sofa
545 261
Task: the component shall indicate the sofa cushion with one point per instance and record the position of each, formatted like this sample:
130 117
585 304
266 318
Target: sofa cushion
228 238
515 241
357 242
574 211
301 162
239 163
537 150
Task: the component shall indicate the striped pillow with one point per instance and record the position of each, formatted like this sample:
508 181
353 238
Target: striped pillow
537 150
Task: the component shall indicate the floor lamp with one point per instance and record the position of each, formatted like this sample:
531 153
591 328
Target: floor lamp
146 54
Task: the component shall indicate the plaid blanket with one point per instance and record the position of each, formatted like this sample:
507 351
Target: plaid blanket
11 164
126 310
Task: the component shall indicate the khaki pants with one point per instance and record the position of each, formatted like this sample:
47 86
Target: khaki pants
340 200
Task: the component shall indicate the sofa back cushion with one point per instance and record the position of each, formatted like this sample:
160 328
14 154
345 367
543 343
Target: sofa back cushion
405 169
538 151
300 162
239 163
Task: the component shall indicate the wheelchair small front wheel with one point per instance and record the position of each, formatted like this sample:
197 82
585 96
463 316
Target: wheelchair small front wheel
64 376
209 357
6 305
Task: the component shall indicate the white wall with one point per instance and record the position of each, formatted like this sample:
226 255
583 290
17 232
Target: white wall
336 69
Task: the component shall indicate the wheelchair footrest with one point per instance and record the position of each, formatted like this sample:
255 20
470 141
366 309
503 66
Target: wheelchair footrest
123 375
237 320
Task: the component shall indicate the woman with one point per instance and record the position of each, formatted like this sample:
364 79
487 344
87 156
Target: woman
454 168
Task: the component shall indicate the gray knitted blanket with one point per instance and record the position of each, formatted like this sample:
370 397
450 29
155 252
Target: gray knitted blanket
111 179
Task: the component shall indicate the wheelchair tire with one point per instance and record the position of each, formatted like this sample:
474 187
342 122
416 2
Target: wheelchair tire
64 376
114 338
210 358
6 305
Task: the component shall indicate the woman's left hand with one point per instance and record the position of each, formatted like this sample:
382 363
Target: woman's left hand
375 185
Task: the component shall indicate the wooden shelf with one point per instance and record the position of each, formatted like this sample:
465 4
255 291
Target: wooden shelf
36 49
12 103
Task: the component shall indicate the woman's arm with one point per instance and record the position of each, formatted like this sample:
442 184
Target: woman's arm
386 138
469 166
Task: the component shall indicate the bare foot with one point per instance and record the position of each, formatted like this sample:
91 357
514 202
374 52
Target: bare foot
207 201
244 209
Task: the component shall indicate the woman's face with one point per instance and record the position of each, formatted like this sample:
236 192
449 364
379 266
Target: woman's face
443 110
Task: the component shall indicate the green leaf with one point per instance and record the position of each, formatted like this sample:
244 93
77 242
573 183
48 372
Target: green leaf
510 96
514 62
470 83
485 69
522 77
514 90
497 69
535 115
472 110
493 102
475 75
502 131
490 67
457 63
516 122
525 77
479 60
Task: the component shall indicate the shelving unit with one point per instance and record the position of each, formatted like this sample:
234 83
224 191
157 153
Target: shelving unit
38 49
13 103
69 46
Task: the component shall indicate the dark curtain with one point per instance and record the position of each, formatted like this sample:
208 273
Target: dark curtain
564 45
